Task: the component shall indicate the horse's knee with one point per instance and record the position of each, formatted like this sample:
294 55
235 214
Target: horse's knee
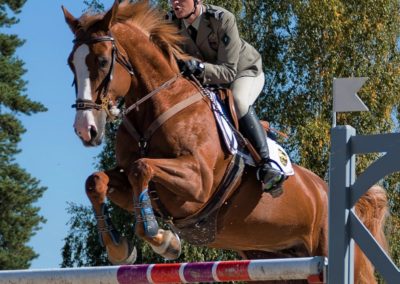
141 172
96 187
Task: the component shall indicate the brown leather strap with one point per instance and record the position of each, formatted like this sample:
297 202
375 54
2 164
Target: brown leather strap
131 129
267 128
160 120
170 113
152 93
226 96
226 188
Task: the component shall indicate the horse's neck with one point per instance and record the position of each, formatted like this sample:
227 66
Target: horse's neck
151 67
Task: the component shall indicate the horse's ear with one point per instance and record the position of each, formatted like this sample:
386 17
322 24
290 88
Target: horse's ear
109 17
71 21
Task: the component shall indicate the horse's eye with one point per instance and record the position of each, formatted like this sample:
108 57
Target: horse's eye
103 62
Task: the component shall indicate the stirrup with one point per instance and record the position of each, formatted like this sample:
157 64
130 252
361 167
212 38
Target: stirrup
274 187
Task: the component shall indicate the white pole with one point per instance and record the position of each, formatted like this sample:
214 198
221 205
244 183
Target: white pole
218 271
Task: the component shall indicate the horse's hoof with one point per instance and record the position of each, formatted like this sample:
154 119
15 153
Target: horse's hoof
170 248
129 253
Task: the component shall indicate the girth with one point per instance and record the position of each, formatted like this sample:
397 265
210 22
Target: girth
201 227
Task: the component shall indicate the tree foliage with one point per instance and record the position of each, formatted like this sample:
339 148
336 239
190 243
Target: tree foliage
94 5
304 46
19 218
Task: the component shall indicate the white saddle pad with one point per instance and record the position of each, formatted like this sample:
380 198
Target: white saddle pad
279 155
276 152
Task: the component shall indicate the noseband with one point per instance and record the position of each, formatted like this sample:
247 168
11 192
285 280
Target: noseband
116 56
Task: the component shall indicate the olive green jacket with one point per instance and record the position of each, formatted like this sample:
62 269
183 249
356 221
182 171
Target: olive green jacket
219 45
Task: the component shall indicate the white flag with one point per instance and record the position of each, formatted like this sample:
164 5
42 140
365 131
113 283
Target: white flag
345 94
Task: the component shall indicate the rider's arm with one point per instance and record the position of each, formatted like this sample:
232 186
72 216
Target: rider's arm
225 69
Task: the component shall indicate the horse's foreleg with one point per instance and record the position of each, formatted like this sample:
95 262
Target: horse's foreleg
115 185
182 177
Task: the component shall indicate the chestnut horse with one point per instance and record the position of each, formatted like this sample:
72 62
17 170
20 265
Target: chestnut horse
130 52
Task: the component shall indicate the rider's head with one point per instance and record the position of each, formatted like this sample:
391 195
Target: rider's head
184 9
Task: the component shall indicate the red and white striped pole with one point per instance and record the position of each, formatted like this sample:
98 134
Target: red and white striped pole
310 268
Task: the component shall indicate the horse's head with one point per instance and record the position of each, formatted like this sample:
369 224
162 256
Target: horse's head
107 48
93 62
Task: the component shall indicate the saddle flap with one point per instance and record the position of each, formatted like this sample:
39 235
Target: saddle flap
225 95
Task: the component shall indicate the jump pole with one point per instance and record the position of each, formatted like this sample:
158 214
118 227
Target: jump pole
311 268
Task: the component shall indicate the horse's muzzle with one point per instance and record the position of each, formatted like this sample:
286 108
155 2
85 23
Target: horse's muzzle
95 139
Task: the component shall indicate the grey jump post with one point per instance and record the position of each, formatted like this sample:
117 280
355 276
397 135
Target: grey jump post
345 189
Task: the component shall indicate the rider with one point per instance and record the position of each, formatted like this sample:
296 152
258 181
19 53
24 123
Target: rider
213 37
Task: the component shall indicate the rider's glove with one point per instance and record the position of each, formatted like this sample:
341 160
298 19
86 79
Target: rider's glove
192 66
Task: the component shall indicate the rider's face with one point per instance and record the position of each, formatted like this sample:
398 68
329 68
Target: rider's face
182 8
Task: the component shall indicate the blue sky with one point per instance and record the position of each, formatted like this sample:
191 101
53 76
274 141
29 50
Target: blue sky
50 150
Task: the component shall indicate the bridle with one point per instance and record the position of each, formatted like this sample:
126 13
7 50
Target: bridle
106 105
116 56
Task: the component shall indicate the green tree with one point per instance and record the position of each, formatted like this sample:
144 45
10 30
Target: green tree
340 39
305 45
19 218
94 5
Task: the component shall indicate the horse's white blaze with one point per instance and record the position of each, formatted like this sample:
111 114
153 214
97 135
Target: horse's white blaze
84 119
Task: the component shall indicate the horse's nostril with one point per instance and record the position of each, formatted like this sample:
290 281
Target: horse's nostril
77 132
93 132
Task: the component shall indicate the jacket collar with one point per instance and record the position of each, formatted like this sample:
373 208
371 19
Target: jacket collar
196 23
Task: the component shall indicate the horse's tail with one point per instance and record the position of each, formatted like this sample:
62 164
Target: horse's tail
372 209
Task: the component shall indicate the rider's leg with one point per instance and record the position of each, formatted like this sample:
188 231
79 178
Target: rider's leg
245 91
252 129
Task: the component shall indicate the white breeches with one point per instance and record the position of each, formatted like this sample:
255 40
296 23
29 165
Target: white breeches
245 92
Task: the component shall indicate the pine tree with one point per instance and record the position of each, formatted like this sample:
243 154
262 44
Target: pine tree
19 218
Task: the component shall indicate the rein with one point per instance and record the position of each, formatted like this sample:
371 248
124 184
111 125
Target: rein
148 96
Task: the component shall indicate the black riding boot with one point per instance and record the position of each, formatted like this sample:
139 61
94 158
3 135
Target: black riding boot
252 129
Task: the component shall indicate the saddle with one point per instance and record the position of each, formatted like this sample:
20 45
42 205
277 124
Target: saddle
225 96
